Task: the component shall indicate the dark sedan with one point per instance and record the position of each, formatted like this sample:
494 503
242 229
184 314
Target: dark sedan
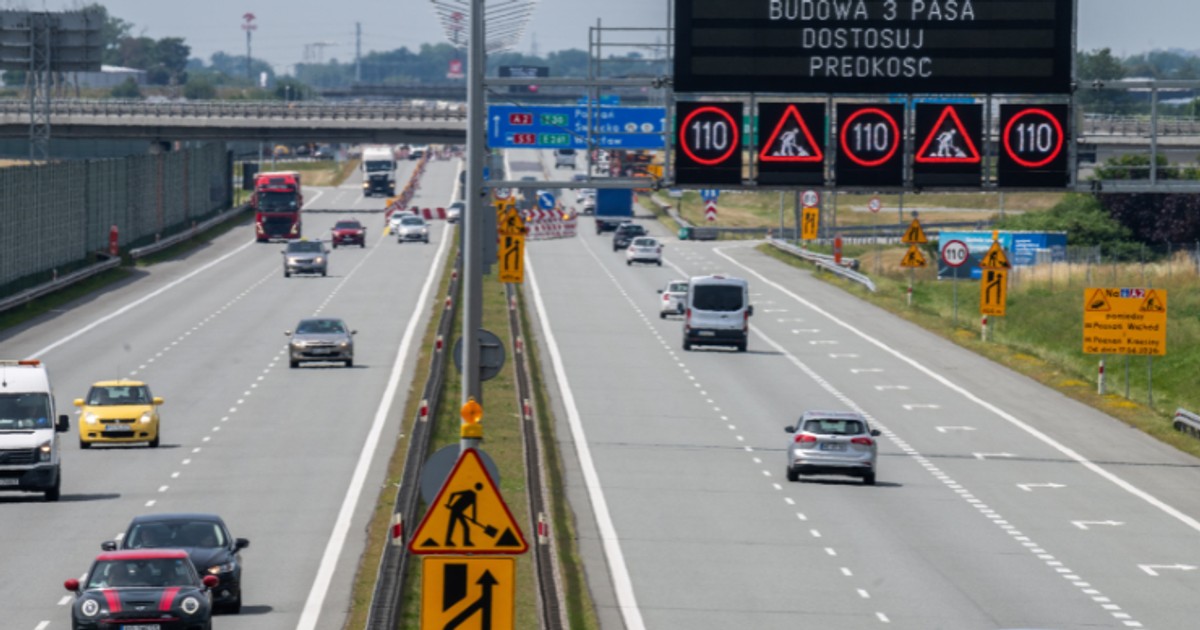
207 542
625 234
349 232
152 588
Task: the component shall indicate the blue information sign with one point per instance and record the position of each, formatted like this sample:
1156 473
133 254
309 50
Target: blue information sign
546 200
566 127
710 194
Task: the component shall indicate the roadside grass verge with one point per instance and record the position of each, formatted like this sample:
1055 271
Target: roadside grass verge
1042 334
60 299
318 172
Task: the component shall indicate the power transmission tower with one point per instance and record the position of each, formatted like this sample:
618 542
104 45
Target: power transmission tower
249 27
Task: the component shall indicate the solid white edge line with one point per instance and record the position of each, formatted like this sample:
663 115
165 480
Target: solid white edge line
622 585
1011 419
137 303
341 528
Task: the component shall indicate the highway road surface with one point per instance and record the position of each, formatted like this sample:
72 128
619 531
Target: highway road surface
1000 504
290 458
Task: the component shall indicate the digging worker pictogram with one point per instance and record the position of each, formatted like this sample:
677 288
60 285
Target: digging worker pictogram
458 503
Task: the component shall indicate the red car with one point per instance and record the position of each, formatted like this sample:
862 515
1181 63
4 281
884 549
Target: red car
349 232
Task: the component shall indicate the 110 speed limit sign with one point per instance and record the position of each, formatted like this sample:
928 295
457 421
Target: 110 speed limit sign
955 253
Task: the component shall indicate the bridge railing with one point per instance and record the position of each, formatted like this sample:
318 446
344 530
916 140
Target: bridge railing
294 110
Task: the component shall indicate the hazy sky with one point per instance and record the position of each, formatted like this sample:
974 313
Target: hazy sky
285 27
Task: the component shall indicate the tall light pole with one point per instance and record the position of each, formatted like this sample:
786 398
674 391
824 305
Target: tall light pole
476 206
249 26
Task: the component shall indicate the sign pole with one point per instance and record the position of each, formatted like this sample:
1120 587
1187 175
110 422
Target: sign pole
954 283
473 221
1127 377
1150 380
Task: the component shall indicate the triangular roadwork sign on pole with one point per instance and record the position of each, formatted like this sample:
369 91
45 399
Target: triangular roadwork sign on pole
914 234
948 150
785 144
914 257
995 258
468 516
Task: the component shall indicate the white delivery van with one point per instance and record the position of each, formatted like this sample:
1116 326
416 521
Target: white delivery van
29 447
564 158
718 312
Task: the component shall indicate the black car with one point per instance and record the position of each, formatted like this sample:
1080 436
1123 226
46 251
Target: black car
151 588
625 234
207 542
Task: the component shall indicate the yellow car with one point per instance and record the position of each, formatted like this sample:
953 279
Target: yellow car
118 412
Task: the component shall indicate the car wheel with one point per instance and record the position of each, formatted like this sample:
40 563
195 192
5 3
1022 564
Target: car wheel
741 347
869 479
294 364
362 244
287 274
84 445
349 363
662 315
53 493
426 240
793 474
687 345
660 263
324 273
628 263
154 443
335 244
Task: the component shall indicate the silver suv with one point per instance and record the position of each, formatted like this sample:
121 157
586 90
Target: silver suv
321 339
674 298
305 257
832 443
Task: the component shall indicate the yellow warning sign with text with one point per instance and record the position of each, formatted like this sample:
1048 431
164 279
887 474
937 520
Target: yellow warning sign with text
512 258
468 593
1125 321
993 292
995 258
914 234
913 257
468 516
809 222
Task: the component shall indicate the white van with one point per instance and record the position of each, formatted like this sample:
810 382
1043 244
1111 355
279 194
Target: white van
718 312
564 158
29 449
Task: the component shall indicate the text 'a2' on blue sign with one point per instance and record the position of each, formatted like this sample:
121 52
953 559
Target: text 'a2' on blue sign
546 200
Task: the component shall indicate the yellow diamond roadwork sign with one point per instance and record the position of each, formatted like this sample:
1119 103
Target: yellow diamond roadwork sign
469 516
914 234
993 292
512 258
914 257
468 593
809 220
995 258
1125 321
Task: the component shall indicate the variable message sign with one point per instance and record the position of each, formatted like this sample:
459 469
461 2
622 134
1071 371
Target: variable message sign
1033 146
708 146
870 138
874 46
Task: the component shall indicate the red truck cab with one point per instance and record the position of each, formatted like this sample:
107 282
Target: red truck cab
277 202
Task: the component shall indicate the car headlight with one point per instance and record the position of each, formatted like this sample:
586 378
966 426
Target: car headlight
222 568
318 260
344 344
146 418
190 605
298 344
45 449
90 418
292 261
90 608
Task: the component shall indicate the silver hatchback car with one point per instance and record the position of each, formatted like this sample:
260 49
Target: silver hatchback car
305 257
321 339
832 443
674 298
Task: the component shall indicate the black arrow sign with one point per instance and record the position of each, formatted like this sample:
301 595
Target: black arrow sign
483 605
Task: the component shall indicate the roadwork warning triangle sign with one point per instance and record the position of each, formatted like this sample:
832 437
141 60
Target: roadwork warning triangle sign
914 257
792 141
948 142
1098 303
1152 303
914 234
995 258
468 516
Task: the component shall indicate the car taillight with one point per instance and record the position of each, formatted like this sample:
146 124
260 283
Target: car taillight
804 438
666 298
864 441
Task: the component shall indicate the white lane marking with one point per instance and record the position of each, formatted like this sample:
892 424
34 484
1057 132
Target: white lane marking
864 594
1085 525
42 625
1153 569
136 303
1028 487
883 388
843 355
1120 482
982 456
846 572
62 602
622 584
341 528
865 370
150 503
882 617
916 406
948 429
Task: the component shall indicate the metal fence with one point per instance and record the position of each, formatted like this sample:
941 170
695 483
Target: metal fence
56 217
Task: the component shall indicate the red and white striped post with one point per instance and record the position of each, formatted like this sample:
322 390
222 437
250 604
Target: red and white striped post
1100 378
984 327
543 529
396 531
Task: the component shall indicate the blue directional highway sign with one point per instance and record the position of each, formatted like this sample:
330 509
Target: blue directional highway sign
566 127
710 194
546 200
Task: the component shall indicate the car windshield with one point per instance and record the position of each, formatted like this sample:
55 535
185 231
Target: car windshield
677 287
717 297
154 572
347 225
119 395
826 426
412 221
175 534
374 166
304 247
24 412
644 242
276 201
320 327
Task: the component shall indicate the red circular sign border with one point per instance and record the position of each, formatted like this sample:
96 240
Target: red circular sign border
1057 127
950 264
895 134
733 146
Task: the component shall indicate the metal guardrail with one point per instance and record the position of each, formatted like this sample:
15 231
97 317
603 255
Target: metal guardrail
823 261
294 110
1104 125
1187 422
191 232
34 293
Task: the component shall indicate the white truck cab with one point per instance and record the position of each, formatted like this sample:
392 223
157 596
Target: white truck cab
29 448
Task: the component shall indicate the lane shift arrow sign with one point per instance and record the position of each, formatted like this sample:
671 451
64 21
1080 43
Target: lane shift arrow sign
1153 569
1028 487
1084 525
